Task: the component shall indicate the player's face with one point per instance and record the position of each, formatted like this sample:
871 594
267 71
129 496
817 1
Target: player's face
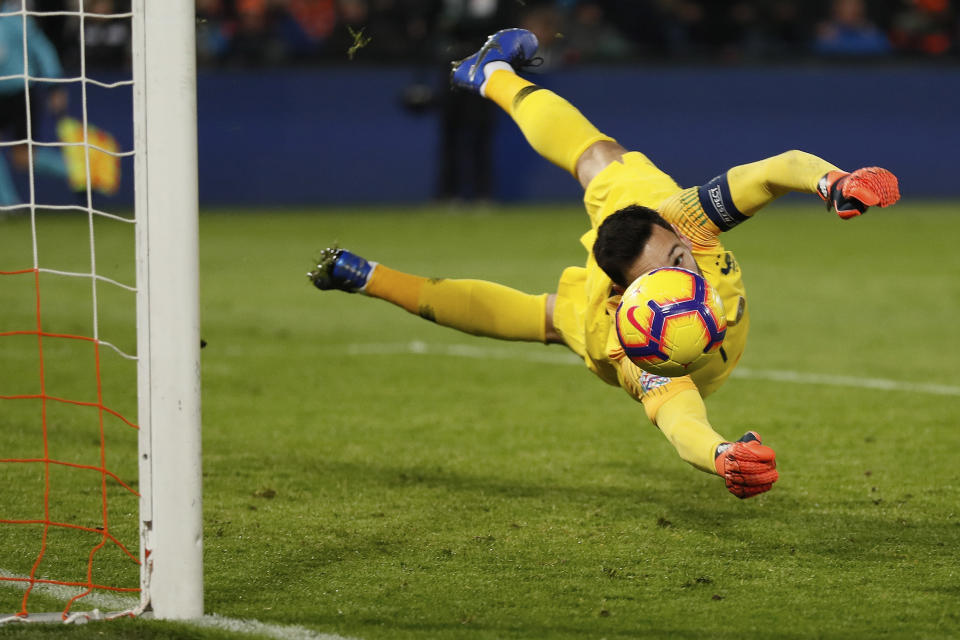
664 249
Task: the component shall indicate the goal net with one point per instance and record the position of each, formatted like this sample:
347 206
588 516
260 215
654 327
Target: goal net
99 333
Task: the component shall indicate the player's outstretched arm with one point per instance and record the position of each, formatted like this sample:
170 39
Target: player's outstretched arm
747 466
752 186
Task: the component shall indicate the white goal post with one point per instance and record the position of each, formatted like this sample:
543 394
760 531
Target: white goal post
61 518
168 333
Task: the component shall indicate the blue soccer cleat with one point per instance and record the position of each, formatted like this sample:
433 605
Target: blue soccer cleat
339 269
515 47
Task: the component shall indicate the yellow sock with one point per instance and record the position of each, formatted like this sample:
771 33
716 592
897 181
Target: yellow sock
553 127
402 289
485 309
476 307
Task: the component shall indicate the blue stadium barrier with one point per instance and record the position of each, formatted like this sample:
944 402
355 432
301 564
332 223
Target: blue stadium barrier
328 136
317 137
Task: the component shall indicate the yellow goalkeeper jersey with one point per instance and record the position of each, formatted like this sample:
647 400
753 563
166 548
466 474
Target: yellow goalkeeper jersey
636 180
586 302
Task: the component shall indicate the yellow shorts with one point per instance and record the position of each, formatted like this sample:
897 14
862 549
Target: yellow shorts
635 180
570 307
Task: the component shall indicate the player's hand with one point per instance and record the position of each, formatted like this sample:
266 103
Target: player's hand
850 194
747 466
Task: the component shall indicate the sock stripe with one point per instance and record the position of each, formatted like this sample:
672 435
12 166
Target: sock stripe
523 93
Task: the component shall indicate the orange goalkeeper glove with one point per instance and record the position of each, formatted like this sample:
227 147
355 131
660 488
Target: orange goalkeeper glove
747 466
850 194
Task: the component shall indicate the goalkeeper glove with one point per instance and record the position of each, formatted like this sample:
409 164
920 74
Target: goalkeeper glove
850 194
747 466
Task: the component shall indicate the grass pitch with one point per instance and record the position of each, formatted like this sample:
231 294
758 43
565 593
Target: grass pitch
373 475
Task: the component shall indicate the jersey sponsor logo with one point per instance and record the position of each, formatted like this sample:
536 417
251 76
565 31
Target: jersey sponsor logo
650 382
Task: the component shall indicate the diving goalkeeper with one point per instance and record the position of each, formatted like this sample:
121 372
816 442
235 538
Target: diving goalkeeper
640 219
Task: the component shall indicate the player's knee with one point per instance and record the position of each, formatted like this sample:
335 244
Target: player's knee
596 158
551 335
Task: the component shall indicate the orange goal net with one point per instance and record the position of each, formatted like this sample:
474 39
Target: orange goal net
99 337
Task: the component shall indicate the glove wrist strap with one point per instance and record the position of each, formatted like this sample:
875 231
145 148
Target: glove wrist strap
823 188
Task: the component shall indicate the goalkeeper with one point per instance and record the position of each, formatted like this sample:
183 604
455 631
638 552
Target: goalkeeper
640 220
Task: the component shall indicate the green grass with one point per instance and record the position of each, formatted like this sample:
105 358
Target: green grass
354 487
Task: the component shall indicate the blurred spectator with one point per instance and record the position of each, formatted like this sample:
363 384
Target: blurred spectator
106 40
688 30
353 18
60 28
467 121
642 23
707 29
216 24
277 32
258 38
371 31
263 32
589 37
545 21
737 30
850 32
786 27
311 23
25 104
927 27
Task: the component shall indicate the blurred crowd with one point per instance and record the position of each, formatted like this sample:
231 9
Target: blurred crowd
254 33
105 39
270 32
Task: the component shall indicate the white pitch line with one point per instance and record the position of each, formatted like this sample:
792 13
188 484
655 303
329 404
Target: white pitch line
115 603
568 358
797 377
103 600
280 632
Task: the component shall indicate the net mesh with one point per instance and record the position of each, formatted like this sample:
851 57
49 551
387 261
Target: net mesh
68 454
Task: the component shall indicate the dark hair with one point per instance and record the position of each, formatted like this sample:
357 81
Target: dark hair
622 237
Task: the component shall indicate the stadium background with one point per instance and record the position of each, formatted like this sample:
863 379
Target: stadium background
314 102
372 475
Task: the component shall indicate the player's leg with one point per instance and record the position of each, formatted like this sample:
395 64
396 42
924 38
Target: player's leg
477 307
552 126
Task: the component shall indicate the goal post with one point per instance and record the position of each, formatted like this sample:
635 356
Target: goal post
168 334
100 332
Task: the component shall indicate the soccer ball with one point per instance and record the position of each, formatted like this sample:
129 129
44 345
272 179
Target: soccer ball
669 321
